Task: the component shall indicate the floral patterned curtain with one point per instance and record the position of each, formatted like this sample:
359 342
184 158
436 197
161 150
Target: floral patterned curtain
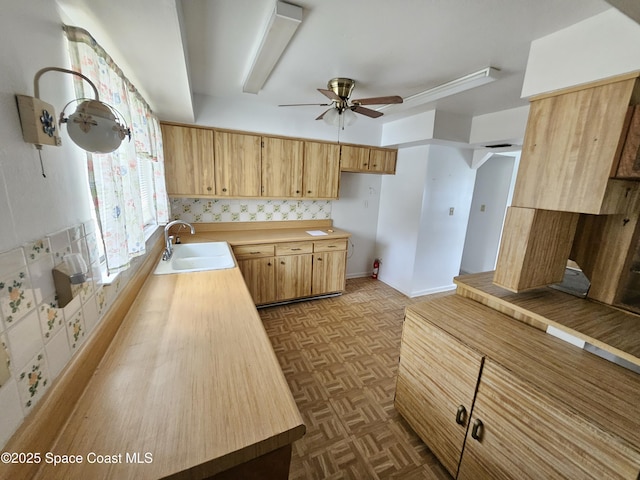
113 177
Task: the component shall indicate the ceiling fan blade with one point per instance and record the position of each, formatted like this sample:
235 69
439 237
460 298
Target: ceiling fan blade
305 104
329 94
378 100
323 114
366 111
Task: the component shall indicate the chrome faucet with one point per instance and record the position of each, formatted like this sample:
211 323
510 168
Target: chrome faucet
168 239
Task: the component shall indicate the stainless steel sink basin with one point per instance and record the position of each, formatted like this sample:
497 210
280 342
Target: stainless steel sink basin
197 257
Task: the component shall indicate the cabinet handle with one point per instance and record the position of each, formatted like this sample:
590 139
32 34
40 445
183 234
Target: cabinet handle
461 415
295 249
477 429
254 253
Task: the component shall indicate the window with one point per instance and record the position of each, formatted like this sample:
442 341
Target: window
127 185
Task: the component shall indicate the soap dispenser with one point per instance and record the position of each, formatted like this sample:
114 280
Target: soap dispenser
68 276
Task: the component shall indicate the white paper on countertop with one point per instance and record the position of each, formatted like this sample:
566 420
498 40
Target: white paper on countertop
316 233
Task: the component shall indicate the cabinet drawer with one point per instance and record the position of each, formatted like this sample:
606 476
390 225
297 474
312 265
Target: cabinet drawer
294 248
330 245
254 251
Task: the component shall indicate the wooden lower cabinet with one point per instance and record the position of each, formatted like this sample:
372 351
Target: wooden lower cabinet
437 379
291 270
260 276
495 398
293 276
518 431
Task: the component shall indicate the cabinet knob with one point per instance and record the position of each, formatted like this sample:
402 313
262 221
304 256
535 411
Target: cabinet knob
209 189
297 191
281 262
224 189
319 259
477 429
269 264
461 415
308 191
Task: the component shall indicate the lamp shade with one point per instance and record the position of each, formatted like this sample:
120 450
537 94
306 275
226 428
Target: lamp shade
95 128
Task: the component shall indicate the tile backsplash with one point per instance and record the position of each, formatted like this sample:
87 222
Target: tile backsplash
37 337
203 210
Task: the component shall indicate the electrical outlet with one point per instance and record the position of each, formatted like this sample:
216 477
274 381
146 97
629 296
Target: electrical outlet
451 211
483 208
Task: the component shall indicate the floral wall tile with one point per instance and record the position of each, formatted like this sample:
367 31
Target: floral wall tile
41 277
16 296
32 381
90 312
25 339
35 250
75 329
75 233
92 247
58 353
11 408
51 318
199 210
60 245
86 290
101 300
11 261
5 361
80 246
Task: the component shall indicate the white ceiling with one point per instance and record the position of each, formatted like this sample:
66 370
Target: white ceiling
397 47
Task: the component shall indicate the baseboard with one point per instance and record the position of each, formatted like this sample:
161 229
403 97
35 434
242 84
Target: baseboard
358 275
430 291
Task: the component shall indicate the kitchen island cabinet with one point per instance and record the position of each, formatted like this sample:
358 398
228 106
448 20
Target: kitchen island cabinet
543 408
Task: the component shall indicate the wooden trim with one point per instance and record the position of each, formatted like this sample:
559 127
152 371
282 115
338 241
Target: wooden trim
42 426
239 226
584 86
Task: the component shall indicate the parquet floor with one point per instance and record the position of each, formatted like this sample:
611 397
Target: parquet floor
340 357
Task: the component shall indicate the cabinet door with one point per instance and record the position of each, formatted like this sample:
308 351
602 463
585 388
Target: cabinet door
354 159
188 160
260 276
321 178
382 161
570 148
293 276
329 270
524 433
282 162
437 379
238 169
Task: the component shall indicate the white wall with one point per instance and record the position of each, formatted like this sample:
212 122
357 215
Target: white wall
357 212
492 187
399 218
419 243
596 48
30 205
449 184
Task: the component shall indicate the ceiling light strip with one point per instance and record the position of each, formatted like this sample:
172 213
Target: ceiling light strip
472 80
282 24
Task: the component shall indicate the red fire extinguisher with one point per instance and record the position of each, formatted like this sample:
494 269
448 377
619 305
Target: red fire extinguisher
376 266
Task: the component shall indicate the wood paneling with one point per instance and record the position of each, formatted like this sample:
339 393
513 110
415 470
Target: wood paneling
293 276
353 158
329 270
382 160
437 375
534 248
260 276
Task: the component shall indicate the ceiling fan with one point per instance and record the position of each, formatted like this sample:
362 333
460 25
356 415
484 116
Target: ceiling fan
341 111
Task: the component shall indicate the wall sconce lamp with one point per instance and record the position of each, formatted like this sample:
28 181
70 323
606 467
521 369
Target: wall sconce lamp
94 126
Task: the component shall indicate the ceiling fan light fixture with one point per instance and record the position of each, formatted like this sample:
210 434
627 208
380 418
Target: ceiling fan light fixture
340 117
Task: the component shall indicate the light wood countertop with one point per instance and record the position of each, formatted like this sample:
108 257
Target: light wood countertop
190 378
606 327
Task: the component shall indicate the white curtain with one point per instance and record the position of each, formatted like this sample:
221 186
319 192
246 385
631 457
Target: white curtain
114 177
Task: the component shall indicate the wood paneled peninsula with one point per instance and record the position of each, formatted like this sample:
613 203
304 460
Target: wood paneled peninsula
190 386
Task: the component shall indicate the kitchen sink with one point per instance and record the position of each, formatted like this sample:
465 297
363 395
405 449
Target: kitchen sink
197 257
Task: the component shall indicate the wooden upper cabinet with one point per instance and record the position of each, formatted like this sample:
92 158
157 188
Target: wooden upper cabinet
188 160
523 432
572 147
282 167
321 176
237 166
382 160
354 158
